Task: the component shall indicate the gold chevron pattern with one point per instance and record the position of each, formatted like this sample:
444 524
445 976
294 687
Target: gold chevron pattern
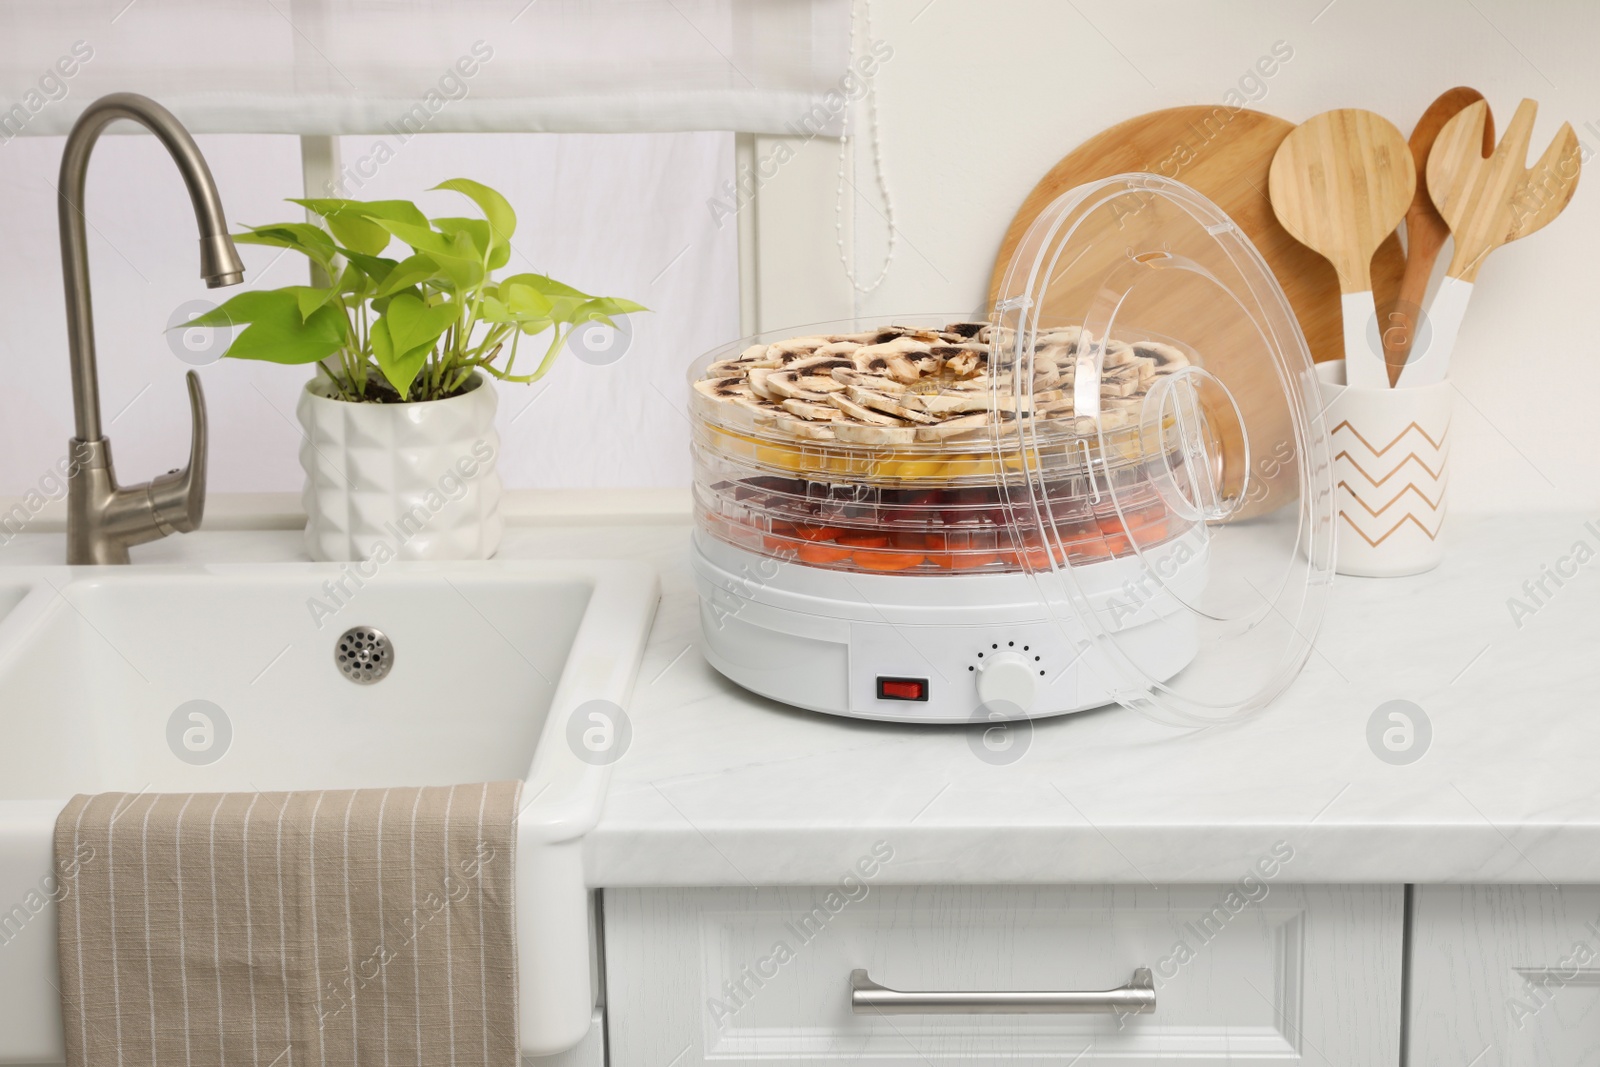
1389 487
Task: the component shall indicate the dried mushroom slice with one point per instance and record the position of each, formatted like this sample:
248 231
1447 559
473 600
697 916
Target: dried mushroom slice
790 385
887 405
1058 335
963 363
1118 353
1165 357
807 430
894 365
795 346
859 413
1119 381
816 412
948 428
876 382
727 368
864 434
758 385
953 403
724 388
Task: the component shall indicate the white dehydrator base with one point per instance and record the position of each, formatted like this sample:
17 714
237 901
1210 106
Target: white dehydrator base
824 639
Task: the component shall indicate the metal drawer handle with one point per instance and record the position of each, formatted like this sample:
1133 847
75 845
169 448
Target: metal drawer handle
1138 997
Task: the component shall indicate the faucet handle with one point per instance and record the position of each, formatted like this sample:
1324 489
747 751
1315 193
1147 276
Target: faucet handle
178 498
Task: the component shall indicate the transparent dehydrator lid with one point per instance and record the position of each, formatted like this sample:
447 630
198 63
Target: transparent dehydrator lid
1139 441
1233 451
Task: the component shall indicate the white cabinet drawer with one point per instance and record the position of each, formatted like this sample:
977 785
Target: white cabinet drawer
1506 976
1297 975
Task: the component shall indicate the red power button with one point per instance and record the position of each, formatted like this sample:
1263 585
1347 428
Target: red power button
902 689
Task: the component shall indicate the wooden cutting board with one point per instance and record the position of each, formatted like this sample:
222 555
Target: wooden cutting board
1225 156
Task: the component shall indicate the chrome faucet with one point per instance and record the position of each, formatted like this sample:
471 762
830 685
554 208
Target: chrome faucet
103 518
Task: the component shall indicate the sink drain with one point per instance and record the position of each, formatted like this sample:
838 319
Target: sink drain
363 655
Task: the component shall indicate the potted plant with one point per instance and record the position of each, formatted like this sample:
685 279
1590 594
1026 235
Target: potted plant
400 448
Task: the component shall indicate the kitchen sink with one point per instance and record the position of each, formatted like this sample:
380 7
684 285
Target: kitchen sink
228 677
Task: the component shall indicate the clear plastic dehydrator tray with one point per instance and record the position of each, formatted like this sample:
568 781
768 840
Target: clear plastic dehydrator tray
771 482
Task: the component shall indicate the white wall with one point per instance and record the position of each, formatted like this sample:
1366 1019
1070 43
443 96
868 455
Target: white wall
980 99
617 214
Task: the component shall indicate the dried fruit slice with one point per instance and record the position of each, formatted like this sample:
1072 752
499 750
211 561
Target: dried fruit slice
863 539
822 553
871 560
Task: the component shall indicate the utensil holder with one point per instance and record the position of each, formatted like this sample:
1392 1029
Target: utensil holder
1391 454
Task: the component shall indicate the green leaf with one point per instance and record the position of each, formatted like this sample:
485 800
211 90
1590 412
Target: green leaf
352 220
476 229
308 298
375 267
605 306
496 209
359 233
243 308
354 283
405 335
407 273
490 309
380 304
400 210
411 323
421 237
402 369
548 286
565 308
303 237
458 259
525 302
276 330
495 254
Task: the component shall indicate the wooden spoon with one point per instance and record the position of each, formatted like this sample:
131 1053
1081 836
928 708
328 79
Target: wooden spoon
1487 203
1425 228
1341 183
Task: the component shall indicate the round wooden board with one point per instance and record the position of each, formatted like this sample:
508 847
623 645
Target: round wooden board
1224 155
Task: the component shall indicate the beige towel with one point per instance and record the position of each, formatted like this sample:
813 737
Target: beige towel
369 926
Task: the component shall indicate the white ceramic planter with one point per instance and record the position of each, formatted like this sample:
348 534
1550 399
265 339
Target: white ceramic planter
401 481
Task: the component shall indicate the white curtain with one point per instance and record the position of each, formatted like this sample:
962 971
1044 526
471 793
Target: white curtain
408 66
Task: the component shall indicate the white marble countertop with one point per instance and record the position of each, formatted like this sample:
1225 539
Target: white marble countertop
721 787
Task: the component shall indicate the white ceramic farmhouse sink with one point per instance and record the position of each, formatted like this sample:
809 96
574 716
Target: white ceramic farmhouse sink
103 671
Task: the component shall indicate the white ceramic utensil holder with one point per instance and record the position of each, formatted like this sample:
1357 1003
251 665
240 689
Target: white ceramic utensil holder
1391 452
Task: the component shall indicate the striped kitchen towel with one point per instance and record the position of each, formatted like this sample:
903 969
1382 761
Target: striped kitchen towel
356 927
